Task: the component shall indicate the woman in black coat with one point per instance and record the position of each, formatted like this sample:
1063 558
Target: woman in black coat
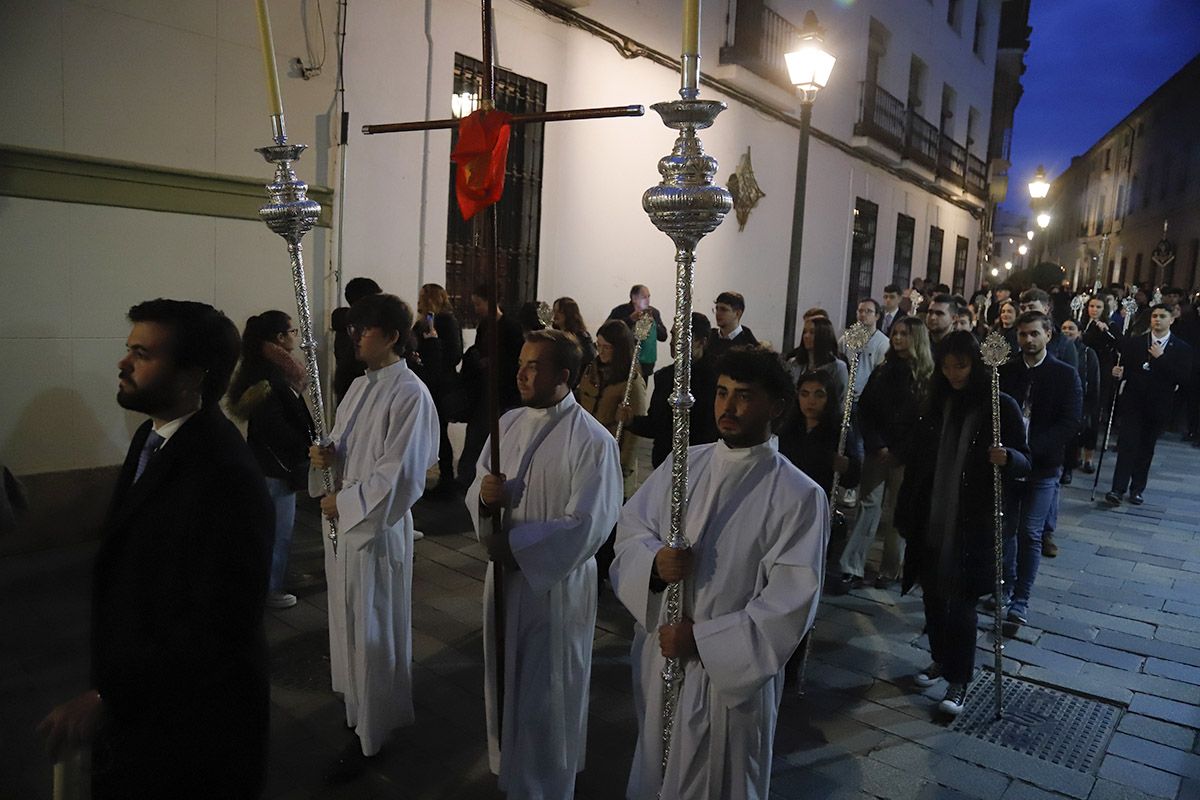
265 394
1104 340
809 438
439 344
946 507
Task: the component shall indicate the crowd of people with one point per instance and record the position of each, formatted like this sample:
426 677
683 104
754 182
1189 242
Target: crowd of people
909 444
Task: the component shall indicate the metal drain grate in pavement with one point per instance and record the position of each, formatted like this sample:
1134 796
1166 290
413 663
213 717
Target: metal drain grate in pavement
1057 727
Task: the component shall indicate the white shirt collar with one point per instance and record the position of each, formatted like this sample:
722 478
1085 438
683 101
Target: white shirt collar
736 332
558 409
1039 361
168 429
388 371
1163 340
726 453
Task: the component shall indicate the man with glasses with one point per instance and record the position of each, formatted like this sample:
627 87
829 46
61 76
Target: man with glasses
727 310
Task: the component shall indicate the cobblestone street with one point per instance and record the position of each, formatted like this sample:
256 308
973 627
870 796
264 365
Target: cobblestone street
1115 618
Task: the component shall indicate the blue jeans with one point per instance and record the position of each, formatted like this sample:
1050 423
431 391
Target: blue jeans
284 499
1029 507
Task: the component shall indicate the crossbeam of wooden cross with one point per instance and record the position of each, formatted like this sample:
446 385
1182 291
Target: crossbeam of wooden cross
491 249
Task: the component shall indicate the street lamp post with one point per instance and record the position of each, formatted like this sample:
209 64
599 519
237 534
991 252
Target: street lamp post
808 69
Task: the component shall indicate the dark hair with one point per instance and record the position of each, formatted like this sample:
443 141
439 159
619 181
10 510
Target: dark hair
386 312
701 327
201 337
957 304
527 316
893 288
825 346
483 291
1016 313
757 364
1004 286
565 347
358 288
618 334
732 299
963 345
255 366
635 290
941 288
873 302
1035 296
572 318
829 417
1168 308
1035 318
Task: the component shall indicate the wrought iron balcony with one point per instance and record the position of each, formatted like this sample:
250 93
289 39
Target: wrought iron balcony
880 116
921 141
760 39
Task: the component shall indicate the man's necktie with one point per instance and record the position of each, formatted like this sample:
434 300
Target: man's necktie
153 442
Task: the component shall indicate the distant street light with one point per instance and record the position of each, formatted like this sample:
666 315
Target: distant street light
1023 249
1043 220
809 67
1008 265
1029 234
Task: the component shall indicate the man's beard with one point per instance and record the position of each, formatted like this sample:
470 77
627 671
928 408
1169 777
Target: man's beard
145 400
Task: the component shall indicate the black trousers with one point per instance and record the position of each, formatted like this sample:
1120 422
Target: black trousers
1135 449
950 623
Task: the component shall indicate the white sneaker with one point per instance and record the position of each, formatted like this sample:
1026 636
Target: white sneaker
418 536
280 600
849 498
928 676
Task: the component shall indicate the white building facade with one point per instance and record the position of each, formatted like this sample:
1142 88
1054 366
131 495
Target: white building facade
124 95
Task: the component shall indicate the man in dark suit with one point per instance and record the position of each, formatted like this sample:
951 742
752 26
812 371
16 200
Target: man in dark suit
179 699
1051 400
1153 367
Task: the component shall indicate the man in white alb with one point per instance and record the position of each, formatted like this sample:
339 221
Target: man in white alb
544 516
385 439
757 528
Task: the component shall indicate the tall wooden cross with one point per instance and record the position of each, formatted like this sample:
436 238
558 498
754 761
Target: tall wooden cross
491 249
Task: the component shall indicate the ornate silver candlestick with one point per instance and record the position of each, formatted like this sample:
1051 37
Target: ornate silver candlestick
995 352
291 215
686 205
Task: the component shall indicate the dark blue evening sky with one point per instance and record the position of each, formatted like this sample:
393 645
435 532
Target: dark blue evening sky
1091 62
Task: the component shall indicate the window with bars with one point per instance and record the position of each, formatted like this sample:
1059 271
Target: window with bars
519 212
903 255
862 255
933 262
961 247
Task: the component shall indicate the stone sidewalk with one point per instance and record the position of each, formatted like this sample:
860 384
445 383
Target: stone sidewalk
1115 618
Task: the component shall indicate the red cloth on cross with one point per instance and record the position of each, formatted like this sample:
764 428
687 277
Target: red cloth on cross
481 156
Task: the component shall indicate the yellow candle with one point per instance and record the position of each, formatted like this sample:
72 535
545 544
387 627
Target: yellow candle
691 27
268 51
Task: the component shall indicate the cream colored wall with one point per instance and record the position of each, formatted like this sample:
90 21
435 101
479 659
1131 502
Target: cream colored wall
176 84
179 84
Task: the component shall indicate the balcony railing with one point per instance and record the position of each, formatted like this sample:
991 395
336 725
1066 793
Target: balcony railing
881 116
976 176
921 143
760 39
952 160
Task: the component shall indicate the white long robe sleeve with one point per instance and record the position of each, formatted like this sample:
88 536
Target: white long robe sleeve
759 528
386 439
567 507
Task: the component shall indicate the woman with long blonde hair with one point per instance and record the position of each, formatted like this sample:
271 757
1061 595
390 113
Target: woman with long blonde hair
438 338
888 412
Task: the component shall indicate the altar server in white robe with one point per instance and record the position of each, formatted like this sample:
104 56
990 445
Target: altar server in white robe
559 494
385 439
758 529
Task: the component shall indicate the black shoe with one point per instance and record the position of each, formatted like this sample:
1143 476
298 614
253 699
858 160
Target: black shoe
845 583
1017 615
1087 468
955 699
349 764
883 582
1113 499
1196 443
1065 479
989 603
1136 498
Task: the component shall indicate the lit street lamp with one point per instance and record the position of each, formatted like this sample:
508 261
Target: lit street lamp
809 66
1039 187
